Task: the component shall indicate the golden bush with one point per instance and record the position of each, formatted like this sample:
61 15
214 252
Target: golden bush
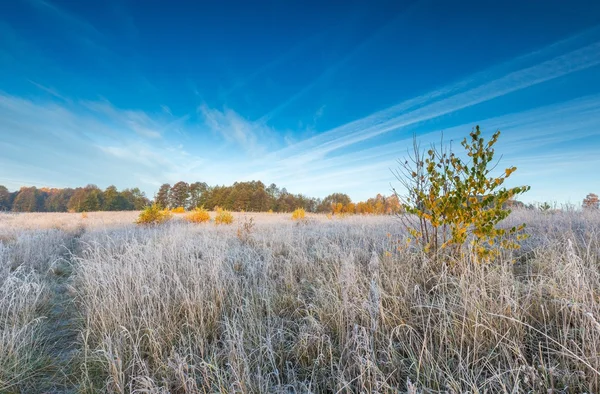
298 214
178 210
153 215
198 215
223 217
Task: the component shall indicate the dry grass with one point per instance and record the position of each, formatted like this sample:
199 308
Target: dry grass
21 293
24 261
326 306
12 223
16 222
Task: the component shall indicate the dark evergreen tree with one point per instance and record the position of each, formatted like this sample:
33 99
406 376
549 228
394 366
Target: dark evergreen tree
135 198
93 200
180 194
197 189
113 200
86 199
273 191
163 196
57 200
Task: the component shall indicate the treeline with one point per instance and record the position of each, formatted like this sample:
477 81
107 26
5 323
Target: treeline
82 199
241 196
254 196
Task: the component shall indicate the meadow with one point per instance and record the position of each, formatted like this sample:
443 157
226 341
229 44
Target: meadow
94 303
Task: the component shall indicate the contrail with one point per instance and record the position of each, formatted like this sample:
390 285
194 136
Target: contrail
558 122
577 60
450 98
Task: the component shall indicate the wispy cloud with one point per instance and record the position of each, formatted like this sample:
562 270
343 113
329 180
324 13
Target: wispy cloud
339 156
251 136
137 121
75 143
51 143
423 108
525 137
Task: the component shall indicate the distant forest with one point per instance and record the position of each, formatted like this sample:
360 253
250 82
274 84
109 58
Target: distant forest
241 196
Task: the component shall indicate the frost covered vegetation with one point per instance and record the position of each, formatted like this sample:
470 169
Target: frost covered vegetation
320 305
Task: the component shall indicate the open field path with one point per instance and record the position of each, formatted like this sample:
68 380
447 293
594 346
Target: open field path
60 326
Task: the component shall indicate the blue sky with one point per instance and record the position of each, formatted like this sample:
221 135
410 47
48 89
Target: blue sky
318 97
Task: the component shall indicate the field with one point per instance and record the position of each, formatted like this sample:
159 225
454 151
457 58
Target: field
93 303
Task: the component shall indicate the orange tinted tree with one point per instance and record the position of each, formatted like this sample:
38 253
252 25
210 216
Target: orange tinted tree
591 201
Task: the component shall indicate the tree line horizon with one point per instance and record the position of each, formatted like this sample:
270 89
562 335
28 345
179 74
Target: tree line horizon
252 196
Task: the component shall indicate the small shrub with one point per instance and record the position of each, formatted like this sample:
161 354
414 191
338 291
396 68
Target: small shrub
298 214
198 215
154 214
178 210
270 211
223 217
454 200
84 215
244 232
